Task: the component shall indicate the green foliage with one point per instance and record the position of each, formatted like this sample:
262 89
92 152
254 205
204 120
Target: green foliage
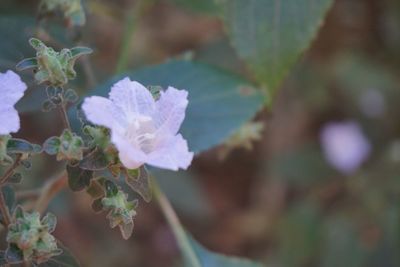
30 238
20 146
55 68
68 146
208 258
78 179
65 259
216 98
139 181
121 211
270 35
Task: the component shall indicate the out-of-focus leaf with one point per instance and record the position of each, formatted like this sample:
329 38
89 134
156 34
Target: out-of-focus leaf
341 245
184 192
300 235
201 6
219 102
208 258
66 259
302 167
270 35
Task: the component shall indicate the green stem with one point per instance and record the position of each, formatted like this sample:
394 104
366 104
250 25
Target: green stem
176 226
132 19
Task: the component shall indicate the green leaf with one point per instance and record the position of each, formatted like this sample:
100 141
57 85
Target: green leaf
27 64
52 145
208 258
271 35
95 160
78 179
15 145
139 181
194 254
219 102
66 259
80 51
13 254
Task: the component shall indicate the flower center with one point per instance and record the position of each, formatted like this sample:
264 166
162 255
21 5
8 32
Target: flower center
141 133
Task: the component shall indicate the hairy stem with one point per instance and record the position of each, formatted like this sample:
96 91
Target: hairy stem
10 171
3 206
64 115
176 226
4 209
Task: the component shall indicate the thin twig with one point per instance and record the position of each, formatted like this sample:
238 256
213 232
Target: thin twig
4 209
64 115
176 226
10 171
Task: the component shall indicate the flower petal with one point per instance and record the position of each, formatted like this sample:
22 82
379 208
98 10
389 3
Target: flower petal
12 88
100 111
132 98
130 156
9 120
174 155
171 110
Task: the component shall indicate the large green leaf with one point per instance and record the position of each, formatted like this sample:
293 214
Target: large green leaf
219 101
271 34
211 259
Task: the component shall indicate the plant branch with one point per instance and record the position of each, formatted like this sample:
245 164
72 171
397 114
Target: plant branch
176 226
3 206
10 171
64 115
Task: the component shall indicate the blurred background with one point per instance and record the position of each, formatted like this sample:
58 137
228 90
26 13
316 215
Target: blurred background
315 182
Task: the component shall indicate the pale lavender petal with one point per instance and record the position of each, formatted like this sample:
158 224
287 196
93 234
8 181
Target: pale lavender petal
132 98
173 155
345 146
12 88
9 121
171 111
130 156
99 111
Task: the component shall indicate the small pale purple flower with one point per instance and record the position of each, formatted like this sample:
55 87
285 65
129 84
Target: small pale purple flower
142 129
344 145
11 91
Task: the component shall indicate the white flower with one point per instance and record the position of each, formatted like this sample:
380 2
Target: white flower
142 129
344 145
11 90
